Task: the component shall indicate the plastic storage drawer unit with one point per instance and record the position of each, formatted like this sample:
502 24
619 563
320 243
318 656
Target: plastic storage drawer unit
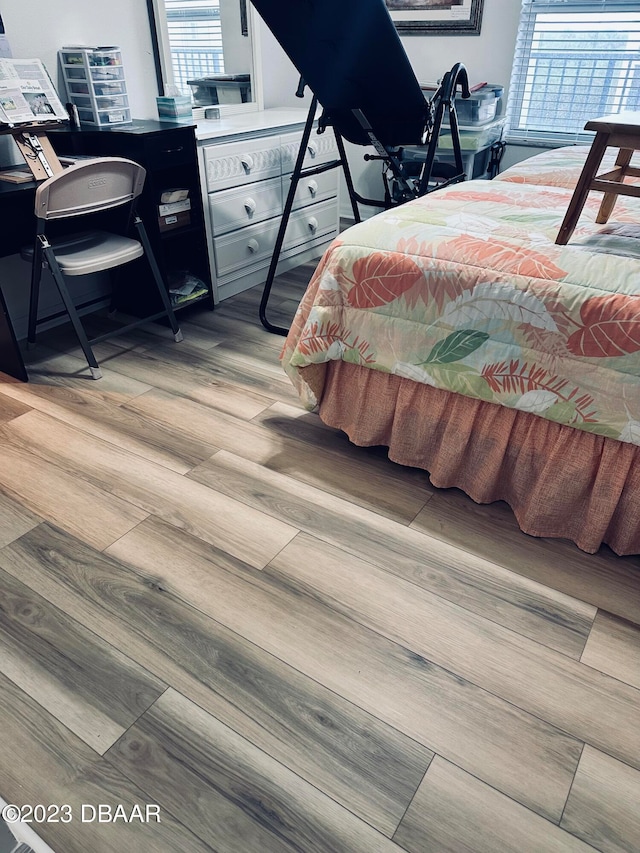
94 79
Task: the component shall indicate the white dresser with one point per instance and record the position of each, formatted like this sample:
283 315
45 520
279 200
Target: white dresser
246 163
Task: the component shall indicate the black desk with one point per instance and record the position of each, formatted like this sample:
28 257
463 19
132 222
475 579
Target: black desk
17 228
167 150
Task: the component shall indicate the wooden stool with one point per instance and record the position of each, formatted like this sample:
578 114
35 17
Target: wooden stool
617 131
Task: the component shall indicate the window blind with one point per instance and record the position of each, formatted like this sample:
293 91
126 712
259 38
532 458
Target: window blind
574 60
195 39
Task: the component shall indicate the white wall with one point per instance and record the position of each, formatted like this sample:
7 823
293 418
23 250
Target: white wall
237 48
39 28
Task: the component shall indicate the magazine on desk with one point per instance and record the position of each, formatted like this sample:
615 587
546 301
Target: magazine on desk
27 95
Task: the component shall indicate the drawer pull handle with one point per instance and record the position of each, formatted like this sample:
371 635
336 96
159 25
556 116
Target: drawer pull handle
253 246
312 148
250 206
173 150
247 162
312 186
312 223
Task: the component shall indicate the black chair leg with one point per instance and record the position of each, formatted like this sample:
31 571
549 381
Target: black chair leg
34 295
58 277
162 290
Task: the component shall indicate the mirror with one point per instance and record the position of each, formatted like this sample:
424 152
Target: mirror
206 50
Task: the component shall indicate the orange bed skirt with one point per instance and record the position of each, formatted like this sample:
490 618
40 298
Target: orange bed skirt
559 482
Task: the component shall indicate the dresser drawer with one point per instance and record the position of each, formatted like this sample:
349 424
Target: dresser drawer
243 162
170 148
320 149
253 246
248 247
235 208
311 222
312 189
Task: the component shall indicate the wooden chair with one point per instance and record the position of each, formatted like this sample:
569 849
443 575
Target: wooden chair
617 131
83 190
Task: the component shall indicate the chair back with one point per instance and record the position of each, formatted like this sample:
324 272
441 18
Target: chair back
89 187
351 57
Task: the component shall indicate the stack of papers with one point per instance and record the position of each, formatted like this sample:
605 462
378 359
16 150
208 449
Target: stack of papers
27 94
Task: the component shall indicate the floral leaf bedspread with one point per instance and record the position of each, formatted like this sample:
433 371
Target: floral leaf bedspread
465 290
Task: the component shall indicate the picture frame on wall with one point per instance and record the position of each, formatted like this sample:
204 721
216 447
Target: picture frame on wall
431 17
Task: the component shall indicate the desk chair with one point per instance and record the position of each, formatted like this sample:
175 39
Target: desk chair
82 190
351 58
620 131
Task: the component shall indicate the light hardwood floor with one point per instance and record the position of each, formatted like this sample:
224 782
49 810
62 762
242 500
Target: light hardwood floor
212 603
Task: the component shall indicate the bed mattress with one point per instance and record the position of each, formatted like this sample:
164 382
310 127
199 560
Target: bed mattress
465 290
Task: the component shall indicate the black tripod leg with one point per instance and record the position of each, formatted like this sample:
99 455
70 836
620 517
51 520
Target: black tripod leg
36 275
295 177
427 166
347 176
455 138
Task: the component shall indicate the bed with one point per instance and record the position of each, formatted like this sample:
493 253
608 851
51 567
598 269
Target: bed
455 332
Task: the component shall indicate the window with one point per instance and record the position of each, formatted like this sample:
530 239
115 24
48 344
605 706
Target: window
574 60
195 40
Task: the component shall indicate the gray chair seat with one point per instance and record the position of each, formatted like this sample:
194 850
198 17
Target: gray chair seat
90 251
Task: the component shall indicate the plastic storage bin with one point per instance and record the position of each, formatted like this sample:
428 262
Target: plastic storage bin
475 138
474 163
95 83
483 106
475 147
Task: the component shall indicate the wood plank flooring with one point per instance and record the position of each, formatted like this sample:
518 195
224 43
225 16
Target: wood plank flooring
213 605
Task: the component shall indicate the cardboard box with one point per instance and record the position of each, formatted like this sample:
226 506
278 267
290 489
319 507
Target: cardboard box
174 220
170 207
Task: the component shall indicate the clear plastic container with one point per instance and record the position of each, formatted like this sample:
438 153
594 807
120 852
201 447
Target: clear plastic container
103 117
482 107
105 57
102 102
107 72
72 57
75 73
77 88
474 163
108 102
86 115
119 116
475 138
109 87
82 102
